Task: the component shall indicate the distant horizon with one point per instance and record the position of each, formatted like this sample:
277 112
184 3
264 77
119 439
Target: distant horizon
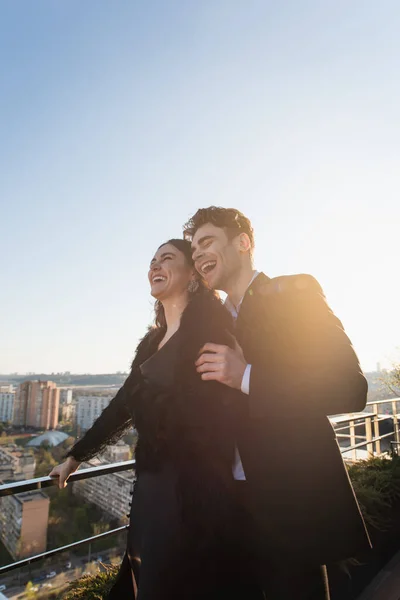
93 374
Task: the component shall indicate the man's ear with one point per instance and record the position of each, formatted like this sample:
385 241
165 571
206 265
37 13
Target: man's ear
244 243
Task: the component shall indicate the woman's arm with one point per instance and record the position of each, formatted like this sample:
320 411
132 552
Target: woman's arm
107 429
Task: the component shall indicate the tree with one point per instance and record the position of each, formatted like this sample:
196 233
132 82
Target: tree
391 380
30 591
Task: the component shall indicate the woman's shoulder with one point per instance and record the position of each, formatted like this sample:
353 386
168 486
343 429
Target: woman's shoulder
206 315
147 345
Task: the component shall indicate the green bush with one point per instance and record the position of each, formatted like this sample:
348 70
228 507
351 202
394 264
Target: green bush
91 587
376 483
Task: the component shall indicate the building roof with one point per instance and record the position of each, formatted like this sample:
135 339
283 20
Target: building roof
53 438
29 496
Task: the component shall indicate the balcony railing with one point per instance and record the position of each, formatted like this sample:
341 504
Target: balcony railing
346 428
39 483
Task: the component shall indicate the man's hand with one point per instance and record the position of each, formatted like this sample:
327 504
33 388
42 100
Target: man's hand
223 364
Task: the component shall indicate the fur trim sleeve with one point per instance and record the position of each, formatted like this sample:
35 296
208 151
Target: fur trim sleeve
116 418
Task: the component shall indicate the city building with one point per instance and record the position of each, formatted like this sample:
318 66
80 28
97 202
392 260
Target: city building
7 388
111 493
23 517
37 404
65 396
117 452
7 406
23 523
68 412
89 408
16 463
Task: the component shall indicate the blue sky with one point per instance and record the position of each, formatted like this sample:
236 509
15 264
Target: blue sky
119 119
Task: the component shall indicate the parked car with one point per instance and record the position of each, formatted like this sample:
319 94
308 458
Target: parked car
51 575
3 588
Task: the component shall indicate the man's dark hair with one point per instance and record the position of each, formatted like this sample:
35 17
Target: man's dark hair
232 220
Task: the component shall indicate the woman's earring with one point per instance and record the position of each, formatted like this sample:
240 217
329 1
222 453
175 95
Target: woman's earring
193 286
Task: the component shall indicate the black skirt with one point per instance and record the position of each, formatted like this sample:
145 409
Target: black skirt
160 564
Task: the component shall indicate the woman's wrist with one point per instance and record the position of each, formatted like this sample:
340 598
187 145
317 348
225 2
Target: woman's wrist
73 462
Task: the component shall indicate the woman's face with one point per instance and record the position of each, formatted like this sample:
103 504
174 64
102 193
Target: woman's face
169 273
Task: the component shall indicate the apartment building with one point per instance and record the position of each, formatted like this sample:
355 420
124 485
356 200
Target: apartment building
7 406
16 463
89 408
23 523
112 493
37 404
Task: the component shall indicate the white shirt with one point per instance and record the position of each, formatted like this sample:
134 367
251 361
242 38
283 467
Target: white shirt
237 468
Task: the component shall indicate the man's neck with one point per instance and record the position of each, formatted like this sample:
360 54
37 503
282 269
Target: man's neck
238 287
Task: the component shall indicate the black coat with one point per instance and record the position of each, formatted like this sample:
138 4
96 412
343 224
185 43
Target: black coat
303 369
179 418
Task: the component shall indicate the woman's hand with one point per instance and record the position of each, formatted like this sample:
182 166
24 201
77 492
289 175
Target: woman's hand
64 470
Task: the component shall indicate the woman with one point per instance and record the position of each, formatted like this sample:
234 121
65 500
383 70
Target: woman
182 540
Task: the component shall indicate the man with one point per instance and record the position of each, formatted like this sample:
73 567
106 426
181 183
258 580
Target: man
295 365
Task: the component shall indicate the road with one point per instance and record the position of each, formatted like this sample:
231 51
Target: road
16 582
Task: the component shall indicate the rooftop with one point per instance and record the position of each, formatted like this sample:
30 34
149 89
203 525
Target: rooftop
29 496
53 438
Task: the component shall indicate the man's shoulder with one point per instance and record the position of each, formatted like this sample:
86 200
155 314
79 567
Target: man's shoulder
284 284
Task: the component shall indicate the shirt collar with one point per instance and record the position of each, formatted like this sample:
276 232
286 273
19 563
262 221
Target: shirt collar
234 310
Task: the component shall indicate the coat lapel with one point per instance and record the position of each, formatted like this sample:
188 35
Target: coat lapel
251 316
252 301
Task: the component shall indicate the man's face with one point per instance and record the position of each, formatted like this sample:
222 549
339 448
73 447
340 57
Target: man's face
216 257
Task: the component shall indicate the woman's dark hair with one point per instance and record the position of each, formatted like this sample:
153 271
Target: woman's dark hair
185 247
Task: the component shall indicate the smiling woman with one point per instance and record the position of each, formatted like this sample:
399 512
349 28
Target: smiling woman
173 279
186 525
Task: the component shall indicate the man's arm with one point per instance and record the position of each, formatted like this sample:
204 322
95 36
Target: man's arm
311 367
314 363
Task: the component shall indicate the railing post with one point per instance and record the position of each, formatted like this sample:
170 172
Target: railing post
376 431
353 439
368 436
395 422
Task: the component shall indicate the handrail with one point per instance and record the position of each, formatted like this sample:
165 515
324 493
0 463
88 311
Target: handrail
361 444
377 417
372 402
16 487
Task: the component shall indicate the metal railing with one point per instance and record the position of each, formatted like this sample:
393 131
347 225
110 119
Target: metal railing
39 483
344 425
16 487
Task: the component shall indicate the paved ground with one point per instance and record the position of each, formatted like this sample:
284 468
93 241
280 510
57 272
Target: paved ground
386 585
